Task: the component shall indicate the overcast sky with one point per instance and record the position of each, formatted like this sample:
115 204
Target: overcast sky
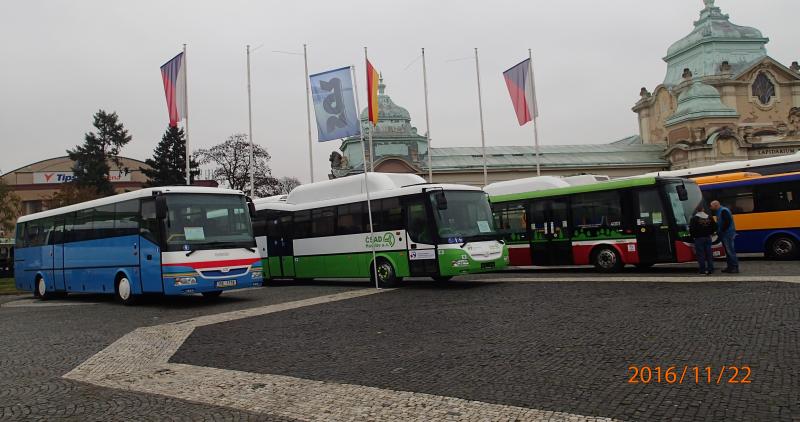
61 61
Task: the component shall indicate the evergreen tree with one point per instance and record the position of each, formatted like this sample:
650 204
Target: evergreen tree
99 150
10 209
168 165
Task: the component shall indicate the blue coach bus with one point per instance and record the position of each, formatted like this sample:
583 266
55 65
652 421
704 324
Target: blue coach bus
167 240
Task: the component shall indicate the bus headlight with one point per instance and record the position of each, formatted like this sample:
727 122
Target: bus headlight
257 274
185 281
460 263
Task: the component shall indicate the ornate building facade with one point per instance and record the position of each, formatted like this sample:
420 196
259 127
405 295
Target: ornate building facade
723 98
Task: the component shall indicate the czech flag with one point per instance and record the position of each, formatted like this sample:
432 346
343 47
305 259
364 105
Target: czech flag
173 73
519 80
372 92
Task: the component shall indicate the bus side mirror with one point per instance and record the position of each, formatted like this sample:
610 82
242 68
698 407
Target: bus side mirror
441 200
683 194
252 208
161 207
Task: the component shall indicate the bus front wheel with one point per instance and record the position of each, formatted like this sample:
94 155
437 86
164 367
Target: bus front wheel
386 275
123 291
41 289
607 259
782 247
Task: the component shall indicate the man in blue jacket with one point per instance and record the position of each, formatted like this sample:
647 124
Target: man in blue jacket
726 230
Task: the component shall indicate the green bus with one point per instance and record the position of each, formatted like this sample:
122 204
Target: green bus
638 221
321 230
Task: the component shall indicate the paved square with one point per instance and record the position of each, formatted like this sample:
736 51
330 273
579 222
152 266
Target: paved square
563 347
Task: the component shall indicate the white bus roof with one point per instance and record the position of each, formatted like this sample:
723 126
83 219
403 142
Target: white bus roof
352 189
141 193
527 184
351 186
730 166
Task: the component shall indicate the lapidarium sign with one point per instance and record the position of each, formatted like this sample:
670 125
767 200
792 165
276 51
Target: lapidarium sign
777 151
47 177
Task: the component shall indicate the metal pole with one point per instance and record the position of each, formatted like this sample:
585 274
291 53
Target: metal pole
366 185
250 123
480 111
308 114
371 148
427 117
186 97
535 113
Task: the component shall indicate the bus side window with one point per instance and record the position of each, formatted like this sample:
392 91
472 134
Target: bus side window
302 224
350 218
776 197
149 223
126 218
103 222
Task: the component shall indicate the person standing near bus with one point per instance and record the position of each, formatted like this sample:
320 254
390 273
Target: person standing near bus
701 227
726 230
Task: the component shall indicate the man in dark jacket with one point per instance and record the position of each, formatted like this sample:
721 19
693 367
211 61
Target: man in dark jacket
701 227
726 230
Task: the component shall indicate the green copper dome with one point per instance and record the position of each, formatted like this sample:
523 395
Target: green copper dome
699 101
387 109
714 40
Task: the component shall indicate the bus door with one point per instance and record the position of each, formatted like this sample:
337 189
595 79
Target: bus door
652 227
280 248
58 254
550 234
150 230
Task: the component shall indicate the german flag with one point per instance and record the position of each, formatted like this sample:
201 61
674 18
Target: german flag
372 92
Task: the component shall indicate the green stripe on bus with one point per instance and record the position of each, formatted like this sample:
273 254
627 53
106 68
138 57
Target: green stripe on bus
611 185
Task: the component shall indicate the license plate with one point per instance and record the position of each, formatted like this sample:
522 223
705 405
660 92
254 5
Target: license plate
487 265
226 283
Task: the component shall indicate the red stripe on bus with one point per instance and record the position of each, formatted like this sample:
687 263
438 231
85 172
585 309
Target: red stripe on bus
211 264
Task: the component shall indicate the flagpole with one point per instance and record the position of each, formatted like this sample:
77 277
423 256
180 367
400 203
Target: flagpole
308 115
427 117
535 114
186 125
250 123
366 182
480 111
371 150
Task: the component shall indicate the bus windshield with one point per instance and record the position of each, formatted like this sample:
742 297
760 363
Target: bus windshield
468 216
207 221
684 210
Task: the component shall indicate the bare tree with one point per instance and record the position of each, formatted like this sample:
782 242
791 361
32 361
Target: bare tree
232 161
10 208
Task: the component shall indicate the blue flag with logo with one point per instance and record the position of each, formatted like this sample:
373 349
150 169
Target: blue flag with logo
334 104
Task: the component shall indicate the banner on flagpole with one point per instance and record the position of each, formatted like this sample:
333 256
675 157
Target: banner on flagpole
334 104
173 73
372 93
523 93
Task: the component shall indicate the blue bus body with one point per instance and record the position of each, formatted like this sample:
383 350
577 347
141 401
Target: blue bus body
90 247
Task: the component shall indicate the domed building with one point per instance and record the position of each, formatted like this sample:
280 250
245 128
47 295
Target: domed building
723 98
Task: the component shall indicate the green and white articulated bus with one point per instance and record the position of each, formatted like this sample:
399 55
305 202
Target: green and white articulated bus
321 230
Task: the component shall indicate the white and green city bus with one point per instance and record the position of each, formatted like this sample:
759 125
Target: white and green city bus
321 230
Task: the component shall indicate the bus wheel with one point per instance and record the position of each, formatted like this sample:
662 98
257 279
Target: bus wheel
442 278
606 259
782 247
212 295
41 289
123 292
386 274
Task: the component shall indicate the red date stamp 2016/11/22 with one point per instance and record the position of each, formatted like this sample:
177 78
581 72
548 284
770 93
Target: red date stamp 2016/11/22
687 374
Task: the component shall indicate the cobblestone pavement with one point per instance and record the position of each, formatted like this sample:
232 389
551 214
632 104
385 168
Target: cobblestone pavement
39 344
562 347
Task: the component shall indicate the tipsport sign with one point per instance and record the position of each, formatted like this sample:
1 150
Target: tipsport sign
55 177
